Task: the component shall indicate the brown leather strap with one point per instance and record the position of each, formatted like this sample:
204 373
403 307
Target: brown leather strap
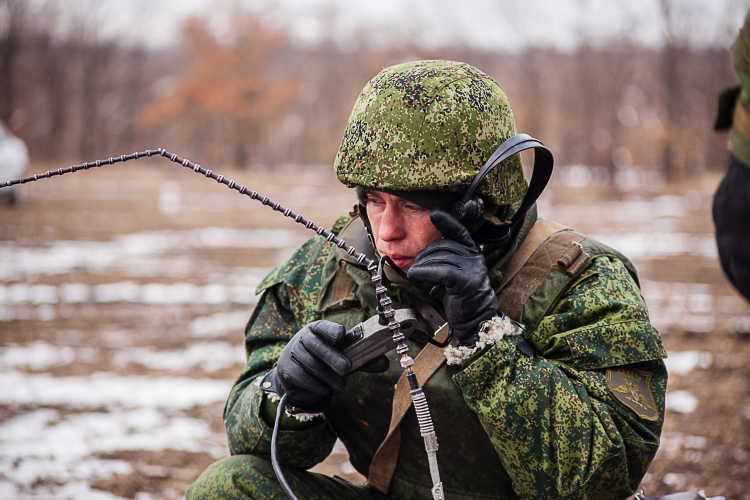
384 462
429 313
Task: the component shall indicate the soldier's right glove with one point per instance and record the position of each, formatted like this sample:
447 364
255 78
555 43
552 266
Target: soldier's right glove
311 367
456 263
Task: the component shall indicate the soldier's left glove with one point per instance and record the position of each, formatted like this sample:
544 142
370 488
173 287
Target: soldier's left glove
311 367
456 263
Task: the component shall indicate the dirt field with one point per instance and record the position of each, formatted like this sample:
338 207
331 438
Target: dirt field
124 292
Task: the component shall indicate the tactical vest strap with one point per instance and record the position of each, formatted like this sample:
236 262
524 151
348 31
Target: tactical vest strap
343 285
538 233
549 246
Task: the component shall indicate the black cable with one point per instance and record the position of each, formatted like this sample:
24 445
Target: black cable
392 265
443 344
274 445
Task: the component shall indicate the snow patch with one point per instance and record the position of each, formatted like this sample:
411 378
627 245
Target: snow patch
219 324
106 390
125 291
45 446
210 356
674 480
681 401
134 252
682 363
644 246
688 306
38 355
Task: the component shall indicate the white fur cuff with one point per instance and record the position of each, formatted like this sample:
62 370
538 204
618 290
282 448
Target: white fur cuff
490 333
302 417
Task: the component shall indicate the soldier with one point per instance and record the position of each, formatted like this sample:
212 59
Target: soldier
731 207
572 407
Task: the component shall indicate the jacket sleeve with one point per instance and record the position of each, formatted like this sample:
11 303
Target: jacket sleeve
282 310
557 425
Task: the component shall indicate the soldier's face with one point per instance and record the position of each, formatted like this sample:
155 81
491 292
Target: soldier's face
401 229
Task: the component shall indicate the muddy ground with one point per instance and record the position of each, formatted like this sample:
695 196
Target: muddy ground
124 292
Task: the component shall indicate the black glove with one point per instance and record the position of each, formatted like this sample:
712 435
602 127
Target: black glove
456 263
311 367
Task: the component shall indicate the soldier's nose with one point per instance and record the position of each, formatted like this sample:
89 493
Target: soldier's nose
391 227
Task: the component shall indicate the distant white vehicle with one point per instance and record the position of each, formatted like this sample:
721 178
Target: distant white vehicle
14 160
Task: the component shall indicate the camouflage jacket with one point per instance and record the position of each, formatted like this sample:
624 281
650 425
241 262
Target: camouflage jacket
739 142
581 419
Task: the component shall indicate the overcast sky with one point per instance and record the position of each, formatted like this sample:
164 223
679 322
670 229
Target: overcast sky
485 24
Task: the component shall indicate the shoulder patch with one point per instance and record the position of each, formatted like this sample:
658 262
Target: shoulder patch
632 389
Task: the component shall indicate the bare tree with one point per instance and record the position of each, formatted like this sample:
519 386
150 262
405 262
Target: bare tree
670 59
13 14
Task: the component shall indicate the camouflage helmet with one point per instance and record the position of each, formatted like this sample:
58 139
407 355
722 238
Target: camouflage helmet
430 125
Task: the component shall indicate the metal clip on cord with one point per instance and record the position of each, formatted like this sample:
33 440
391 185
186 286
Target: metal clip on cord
384 301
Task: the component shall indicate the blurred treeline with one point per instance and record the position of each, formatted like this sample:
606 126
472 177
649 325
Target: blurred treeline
256 100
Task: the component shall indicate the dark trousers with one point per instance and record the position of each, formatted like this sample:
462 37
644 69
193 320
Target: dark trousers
731 212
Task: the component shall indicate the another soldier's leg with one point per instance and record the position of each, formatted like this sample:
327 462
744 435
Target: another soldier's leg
244 477
731 211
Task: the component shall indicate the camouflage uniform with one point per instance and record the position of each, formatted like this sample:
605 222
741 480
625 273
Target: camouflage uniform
739 143
557 424
731 206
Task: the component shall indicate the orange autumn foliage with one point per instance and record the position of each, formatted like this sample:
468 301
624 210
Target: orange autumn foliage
228 82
